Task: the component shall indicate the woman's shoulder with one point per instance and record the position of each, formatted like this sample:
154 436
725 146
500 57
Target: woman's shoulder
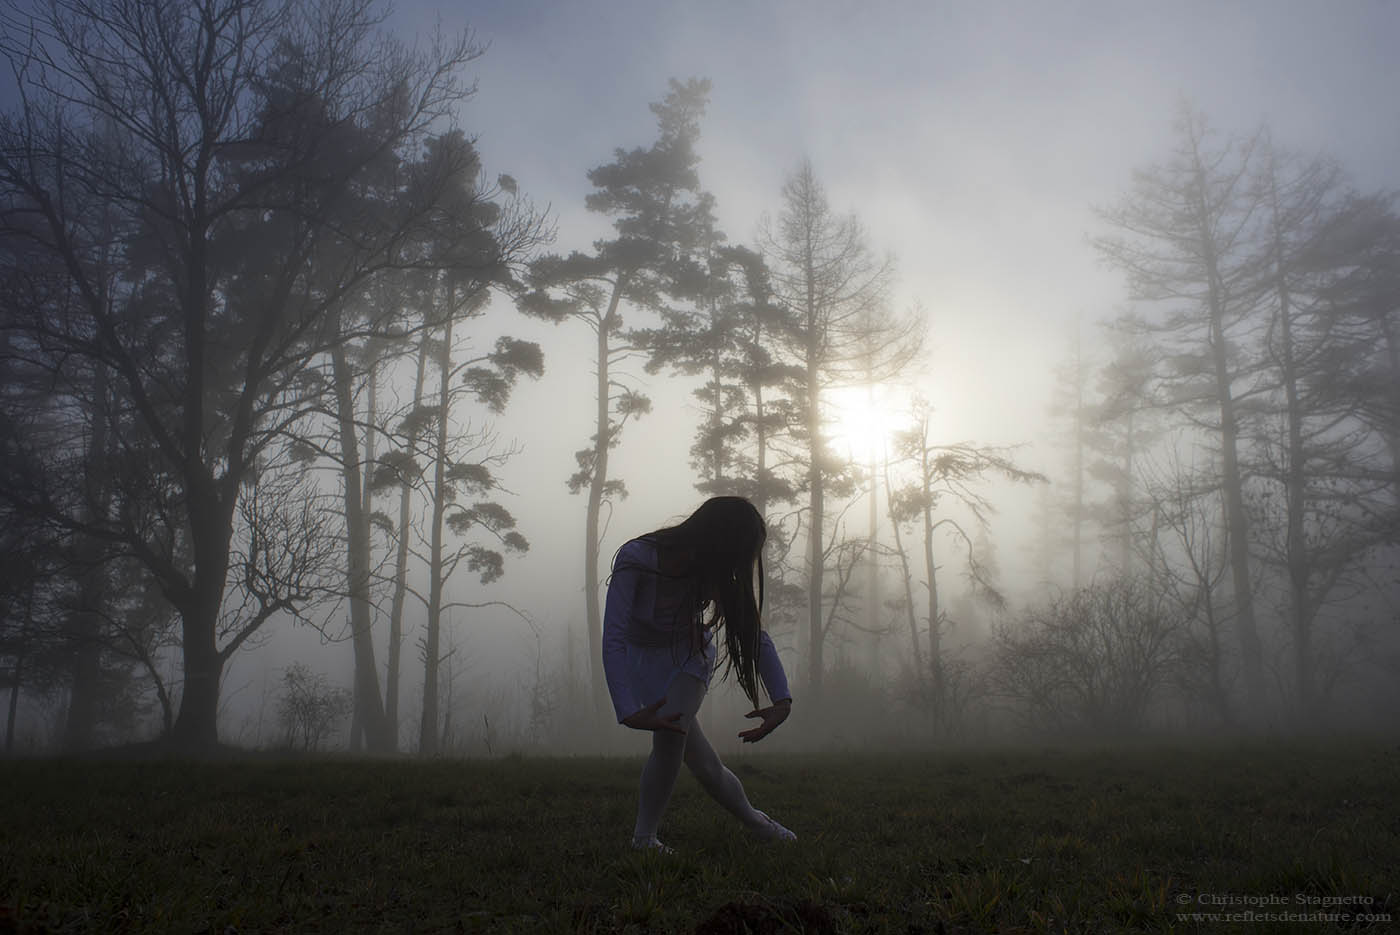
638 551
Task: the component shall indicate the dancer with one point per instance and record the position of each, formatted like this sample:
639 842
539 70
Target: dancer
669 592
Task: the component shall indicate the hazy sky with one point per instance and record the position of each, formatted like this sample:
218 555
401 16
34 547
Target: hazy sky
973 140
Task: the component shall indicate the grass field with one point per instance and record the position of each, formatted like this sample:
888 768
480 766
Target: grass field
1047 841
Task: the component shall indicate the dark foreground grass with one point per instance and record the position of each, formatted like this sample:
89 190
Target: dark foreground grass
1085 841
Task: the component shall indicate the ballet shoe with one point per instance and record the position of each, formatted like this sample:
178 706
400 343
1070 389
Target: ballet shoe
770 830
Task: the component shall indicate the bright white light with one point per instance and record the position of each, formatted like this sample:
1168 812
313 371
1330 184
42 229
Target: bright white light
859 422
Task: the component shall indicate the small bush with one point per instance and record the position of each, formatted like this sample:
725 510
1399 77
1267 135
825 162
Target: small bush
311 709
1093 659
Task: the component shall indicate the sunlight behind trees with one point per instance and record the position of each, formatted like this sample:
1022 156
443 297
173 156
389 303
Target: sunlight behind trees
864 419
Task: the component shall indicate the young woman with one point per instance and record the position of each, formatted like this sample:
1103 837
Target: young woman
670 592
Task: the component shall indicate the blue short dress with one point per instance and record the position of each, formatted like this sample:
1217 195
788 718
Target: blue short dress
652 633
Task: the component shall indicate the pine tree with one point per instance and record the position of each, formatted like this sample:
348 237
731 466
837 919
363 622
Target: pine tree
654 197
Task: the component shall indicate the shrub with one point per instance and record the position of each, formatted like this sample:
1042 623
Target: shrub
311 709
1093 659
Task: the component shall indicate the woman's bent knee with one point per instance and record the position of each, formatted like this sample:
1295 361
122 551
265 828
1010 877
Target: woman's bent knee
705 765
668 744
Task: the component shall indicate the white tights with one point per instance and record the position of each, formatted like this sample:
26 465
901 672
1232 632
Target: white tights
669 749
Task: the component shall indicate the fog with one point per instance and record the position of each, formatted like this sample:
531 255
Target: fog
980 146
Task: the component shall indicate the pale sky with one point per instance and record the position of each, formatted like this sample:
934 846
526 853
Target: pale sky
972 139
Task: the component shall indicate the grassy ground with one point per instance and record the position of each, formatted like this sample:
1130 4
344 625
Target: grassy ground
1084 841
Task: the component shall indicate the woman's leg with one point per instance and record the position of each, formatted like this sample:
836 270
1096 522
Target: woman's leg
722 785
667 752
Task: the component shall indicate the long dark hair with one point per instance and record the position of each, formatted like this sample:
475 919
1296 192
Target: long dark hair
724 538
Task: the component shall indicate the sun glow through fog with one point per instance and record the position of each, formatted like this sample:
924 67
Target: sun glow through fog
861 422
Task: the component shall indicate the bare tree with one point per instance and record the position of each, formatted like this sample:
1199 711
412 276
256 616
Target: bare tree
838 331
1328 497
1184 238
944 476
1186 556
235 150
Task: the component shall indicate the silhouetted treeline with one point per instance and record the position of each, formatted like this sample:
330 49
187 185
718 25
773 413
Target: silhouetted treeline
221 221
254 280
1238 446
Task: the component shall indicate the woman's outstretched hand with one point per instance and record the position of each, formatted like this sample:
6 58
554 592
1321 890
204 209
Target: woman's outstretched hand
648 718
772 717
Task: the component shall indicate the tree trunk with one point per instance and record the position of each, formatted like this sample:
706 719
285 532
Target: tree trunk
84 631
1125 499
760 500
428 733
367 509
908 579
210 512
872 552
813 336
197 725
761 486
1295 545
84 636
17 673
1078 462
717 416
935 648
1391 431
1237 527
602 443
815 552
396 609
1251 651
1219 696
211 503
369 708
